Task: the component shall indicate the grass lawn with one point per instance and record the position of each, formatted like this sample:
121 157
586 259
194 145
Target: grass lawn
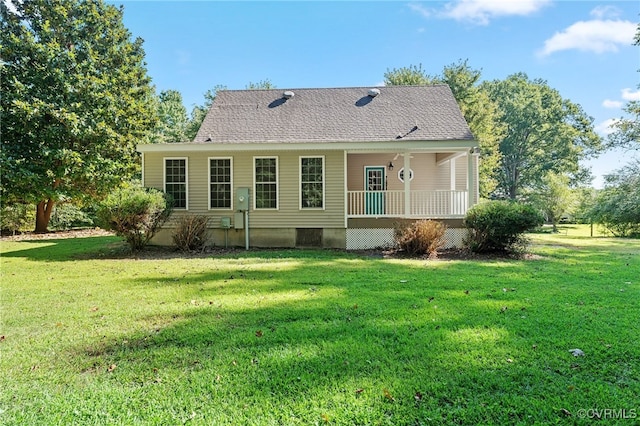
90 336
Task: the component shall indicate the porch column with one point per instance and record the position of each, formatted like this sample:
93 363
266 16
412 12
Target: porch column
452 174
407 184
470 179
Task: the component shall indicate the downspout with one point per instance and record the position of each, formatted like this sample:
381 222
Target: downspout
246 229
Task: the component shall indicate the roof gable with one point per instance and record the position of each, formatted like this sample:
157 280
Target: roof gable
407 113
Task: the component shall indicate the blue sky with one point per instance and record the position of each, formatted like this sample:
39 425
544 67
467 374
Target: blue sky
581 48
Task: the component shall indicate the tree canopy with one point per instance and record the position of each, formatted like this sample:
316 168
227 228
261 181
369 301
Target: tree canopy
76 98
627 130
543 133
173 121
480 112
617 205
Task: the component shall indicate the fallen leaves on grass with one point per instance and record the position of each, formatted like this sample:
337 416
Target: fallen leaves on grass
259 333
388 395
111 368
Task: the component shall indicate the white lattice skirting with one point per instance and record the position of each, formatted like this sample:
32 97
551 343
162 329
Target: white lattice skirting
372 238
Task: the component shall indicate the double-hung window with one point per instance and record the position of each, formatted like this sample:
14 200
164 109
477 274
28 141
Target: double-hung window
220 183
175 181
266 182
311 182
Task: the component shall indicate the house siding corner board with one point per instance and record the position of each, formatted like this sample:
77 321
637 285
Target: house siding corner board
288 213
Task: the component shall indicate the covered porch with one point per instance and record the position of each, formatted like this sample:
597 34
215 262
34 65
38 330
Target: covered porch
440 185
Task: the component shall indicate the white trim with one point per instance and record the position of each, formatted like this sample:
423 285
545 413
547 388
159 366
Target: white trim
209 183
300 183
345 202
186 179
452 174
470 179
451 157
143 168
255 196
401 171
362 147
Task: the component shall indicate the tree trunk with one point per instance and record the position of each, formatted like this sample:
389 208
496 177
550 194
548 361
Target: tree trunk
43 214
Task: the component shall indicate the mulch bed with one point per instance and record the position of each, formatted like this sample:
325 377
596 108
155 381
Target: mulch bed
151 252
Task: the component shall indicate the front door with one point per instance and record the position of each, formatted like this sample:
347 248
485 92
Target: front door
374 190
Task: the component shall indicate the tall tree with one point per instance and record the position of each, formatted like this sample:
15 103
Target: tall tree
544 133
75 100
627 130
260 85
200 111
413 75
172 118
617 205
554 197
480 112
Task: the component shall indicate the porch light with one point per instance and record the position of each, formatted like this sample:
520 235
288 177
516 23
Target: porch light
390 166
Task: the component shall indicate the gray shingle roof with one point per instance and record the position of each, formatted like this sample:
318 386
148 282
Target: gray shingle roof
334 115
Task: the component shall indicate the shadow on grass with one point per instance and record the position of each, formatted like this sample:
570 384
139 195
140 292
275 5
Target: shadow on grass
263 334
69 249
454 342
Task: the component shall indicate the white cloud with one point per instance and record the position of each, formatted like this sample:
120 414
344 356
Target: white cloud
628 95
602 12
482 11
605 128
597 36
608 103
420 9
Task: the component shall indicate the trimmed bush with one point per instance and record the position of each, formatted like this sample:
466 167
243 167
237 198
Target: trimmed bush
499 226
134 213
423 237
191 233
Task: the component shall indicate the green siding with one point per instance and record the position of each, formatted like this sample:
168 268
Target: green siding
288 215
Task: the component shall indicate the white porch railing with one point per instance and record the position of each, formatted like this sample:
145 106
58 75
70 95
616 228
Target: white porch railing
423 204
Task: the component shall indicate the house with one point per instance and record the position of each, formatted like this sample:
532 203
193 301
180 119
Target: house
328 167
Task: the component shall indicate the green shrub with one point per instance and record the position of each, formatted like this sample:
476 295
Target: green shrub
617 205
499 226
68 216
134 213
191 233
15 218
423 237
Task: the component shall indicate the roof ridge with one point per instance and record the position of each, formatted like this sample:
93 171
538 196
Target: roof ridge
335 88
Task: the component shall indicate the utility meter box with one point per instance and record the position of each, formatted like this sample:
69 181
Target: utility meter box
238 220
225 222
242 199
